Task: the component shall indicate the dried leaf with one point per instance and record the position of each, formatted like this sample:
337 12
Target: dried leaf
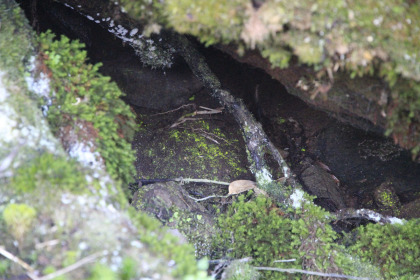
240 186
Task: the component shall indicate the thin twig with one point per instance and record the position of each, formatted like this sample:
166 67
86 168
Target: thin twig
74 266
280 261
15 259
293 270
48 243
174 110
208 197
189 180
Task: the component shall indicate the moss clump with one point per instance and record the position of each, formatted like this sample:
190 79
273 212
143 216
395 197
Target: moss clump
81 94
258 229
19 219
48 172
392 247
15 41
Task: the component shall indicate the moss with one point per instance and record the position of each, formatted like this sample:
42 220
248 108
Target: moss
49 172
257 228
196 229
16 41
82 94
102 272
195 148
393 247
19 219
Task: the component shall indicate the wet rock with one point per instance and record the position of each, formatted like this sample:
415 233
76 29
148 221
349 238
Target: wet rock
386 199
153 88
362 161
322 184
170 203
162 199
410 210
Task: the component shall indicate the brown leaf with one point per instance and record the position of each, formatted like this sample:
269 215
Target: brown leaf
239 186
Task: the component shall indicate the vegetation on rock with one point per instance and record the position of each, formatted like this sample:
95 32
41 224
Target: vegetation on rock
81 94
257 228
394 248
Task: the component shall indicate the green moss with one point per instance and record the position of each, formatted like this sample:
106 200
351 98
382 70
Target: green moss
102 272
207 154
195 148
48 172
51 269
393 247
196 229
15 40
19 219
258 229
82 95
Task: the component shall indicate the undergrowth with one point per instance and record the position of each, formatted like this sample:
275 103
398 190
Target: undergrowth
257 228
81 94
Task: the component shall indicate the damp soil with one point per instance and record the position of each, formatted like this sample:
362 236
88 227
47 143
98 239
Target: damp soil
340 164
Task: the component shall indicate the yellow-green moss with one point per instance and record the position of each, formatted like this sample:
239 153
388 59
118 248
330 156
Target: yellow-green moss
19 219
49 172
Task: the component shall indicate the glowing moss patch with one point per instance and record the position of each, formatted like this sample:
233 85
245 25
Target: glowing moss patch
19 218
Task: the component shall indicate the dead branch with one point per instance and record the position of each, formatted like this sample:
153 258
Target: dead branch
20 262
74 266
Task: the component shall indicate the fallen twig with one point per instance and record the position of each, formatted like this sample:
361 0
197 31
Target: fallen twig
20 262
208 197
189 180
294 270
174 110
280 261
74 266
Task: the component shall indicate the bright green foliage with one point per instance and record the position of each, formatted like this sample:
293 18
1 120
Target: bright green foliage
19 219
258 229
128 269
48 172
102 272
82 95
395 248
